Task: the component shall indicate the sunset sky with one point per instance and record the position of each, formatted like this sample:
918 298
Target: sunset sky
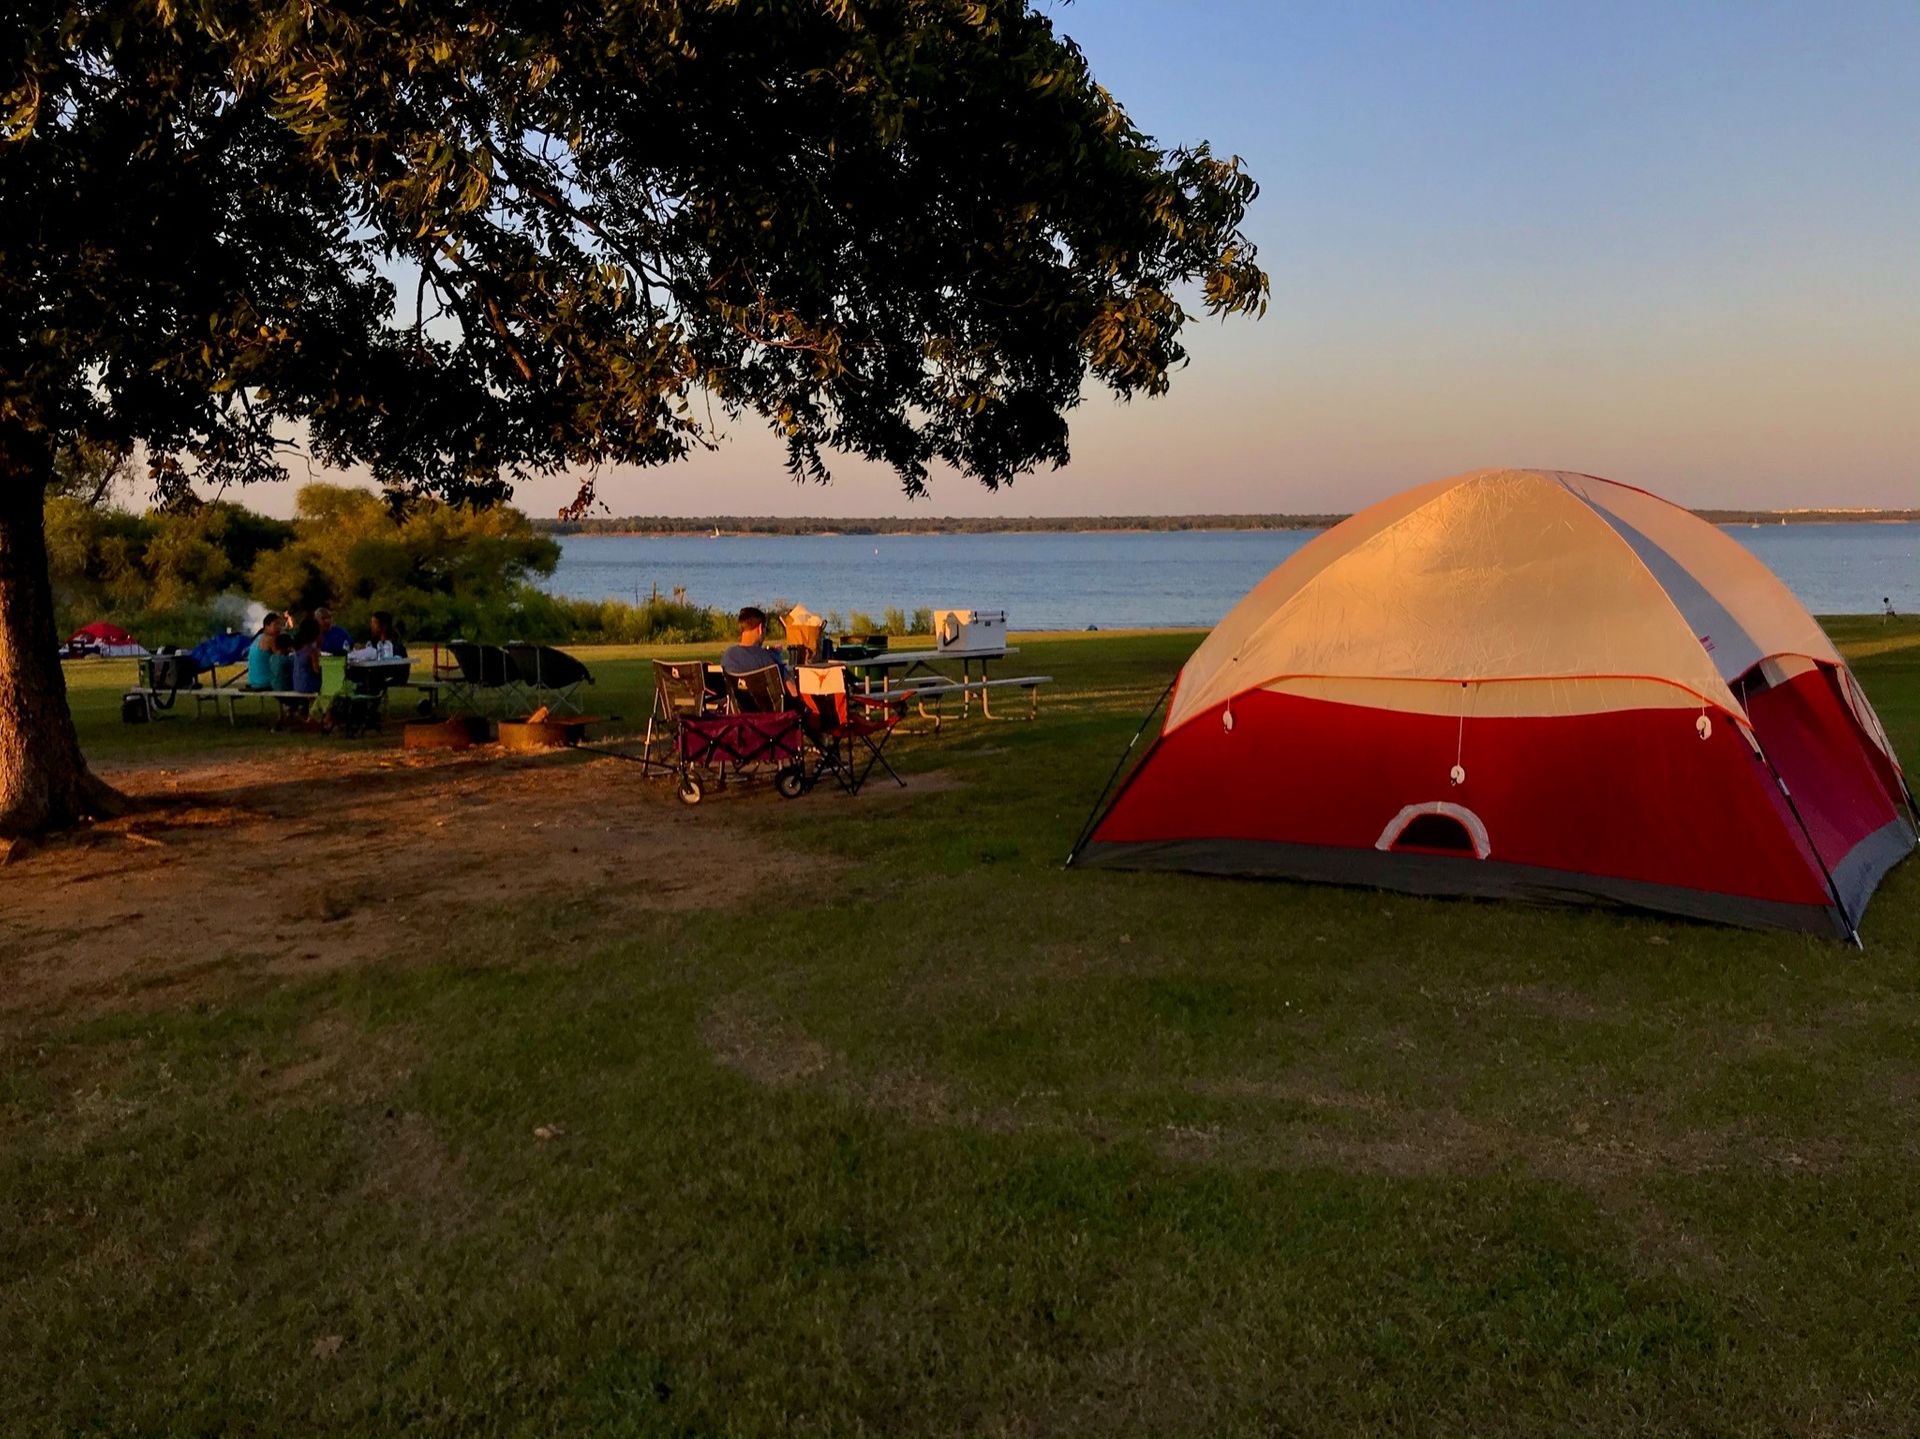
1673 244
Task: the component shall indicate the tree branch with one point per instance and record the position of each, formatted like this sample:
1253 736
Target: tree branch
550 197
498 324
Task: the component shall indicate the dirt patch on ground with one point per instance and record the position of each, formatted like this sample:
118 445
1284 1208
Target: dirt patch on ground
1291 1123
333 1059
745 1037
321 860
410 1166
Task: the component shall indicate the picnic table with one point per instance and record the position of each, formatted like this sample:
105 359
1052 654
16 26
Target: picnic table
914 674
337 675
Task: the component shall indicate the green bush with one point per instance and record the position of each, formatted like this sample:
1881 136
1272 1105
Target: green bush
549 619
893 621
442 570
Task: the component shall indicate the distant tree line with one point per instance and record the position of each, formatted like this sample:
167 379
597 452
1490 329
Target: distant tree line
914 525
1073 524
1807 517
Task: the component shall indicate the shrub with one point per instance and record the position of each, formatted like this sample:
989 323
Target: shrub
549 619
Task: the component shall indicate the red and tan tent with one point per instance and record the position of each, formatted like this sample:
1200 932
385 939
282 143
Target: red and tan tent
1531 684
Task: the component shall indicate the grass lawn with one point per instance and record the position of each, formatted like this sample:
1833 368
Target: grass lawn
921 1134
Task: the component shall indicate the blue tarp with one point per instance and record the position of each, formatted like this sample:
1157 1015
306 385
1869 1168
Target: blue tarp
226 649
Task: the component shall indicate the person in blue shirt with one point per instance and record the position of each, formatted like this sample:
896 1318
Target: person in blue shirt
751 653
306 656
260 654
334 639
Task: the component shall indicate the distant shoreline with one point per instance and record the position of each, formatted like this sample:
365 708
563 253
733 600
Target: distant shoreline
742 526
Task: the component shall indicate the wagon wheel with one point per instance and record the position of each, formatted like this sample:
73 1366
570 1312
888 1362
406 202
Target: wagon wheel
690 790
791 783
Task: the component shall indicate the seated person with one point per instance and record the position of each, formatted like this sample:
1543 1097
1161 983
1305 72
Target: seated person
261 652
751 653
305 662
281 665
385 639
334 639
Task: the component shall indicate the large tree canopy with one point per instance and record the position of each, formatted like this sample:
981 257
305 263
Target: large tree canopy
461 243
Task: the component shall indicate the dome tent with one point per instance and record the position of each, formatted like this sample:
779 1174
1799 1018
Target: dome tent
1527 684
106 639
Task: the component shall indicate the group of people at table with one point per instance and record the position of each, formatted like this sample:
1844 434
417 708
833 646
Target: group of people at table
285 656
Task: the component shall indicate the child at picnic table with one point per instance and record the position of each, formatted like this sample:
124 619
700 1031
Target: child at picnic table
305 666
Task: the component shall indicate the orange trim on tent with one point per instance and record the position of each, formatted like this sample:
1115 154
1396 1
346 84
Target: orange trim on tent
1735 714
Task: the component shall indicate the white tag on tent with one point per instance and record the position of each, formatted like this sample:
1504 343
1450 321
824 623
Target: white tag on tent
1704 725
1226 720
1457 774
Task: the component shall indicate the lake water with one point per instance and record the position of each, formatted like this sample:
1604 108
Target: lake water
1070 581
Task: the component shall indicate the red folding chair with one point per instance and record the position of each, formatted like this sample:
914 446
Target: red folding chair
848 733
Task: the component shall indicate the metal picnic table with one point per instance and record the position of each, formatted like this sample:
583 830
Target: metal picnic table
919 679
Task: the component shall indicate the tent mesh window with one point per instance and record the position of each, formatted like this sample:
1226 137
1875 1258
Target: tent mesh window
1435 833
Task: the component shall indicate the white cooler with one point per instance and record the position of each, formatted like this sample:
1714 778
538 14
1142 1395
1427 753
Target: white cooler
966 632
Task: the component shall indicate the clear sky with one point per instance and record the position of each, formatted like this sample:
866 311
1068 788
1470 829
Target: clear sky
1674 244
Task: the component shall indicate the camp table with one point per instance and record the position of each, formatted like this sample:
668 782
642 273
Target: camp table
370 675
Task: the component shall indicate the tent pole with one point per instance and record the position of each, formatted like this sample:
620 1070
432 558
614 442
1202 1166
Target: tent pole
1853 930
1906 793
1093 814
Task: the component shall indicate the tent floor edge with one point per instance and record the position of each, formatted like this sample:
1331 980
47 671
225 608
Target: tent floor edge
1447 877
1857 874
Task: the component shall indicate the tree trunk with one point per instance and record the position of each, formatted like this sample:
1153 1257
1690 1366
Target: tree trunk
44 782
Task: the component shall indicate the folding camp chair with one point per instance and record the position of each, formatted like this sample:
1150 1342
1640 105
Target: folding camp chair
762 691
487 673
679 693
553 676
840 726
358 705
